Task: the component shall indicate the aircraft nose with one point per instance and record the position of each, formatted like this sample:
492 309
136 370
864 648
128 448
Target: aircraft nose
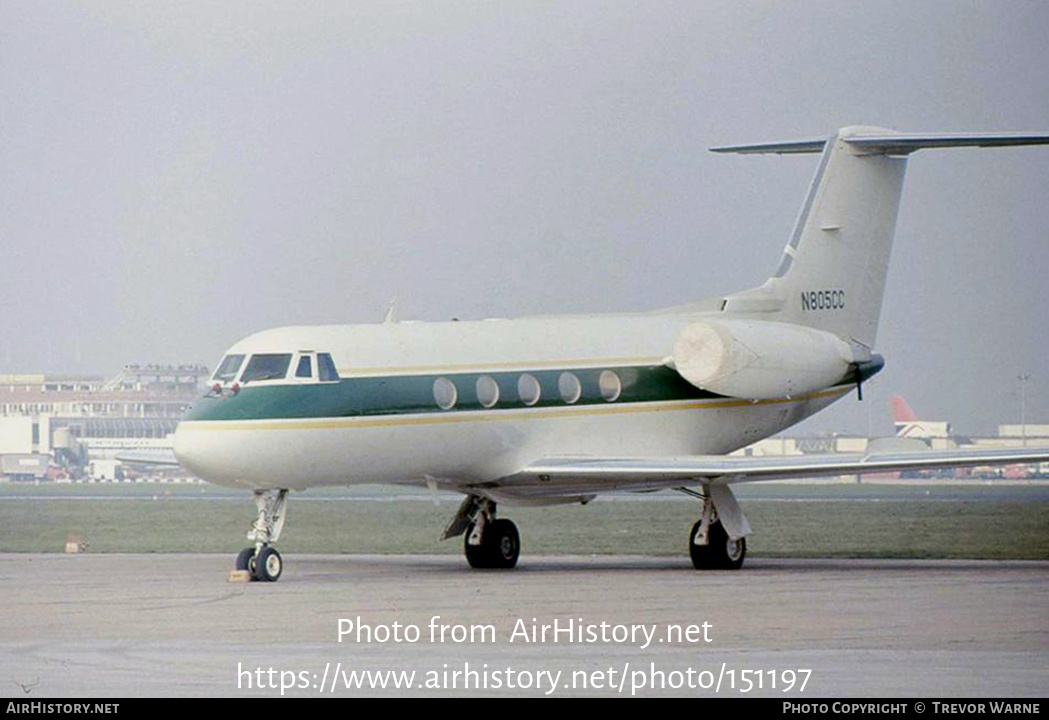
192 453
182 450
222 458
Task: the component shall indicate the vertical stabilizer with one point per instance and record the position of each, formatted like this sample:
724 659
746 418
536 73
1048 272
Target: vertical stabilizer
901 410
832 273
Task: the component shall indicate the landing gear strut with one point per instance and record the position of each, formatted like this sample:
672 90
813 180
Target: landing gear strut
262 560
489 543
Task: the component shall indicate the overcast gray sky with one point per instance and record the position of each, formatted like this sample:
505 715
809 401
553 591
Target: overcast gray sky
174 176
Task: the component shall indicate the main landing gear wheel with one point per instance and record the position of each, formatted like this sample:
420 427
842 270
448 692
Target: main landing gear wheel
499 549
720 552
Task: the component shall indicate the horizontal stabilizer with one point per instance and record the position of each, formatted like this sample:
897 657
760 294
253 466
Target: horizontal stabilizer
159 456
889 143
791 147
906 144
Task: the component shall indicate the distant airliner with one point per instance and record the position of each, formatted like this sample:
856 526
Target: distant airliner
909 426
548 410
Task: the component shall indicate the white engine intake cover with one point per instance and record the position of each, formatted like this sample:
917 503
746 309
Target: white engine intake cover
757 359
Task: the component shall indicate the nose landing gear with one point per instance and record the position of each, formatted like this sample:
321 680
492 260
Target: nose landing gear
262 560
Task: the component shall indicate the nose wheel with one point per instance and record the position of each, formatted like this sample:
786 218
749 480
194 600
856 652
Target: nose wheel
246 560
265 566
268 565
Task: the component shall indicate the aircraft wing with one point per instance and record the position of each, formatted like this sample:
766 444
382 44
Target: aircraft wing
584 476
164 457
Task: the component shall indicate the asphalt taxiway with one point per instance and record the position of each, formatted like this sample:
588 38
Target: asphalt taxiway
173 625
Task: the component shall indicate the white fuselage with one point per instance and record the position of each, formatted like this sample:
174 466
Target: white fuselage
386 425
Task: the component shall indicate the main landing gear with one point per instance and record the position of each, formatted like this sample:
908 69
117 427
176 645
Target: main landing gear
717 541
489 543
262 560
711 545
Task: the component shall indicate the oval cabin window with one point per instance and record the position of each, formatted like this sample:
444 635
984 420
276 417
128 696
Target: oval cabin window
528 389
444 393
610 386
569 387
487 391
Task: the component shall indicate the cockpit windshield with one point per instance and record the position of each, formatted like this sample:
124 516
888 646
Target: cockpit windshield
266 367
228 368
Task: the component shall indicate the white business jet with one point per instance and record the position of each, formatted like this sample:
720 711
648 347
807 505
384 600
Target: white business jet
548 410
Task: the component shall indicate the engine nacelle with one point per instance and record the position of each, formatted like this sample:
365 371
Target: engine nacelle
758 359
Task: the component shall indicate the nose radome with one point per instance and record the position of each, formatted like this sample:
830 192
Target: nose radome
211 456
189 453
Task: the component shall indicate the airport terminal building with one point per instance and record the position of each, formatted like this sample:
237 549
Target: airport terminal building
73 427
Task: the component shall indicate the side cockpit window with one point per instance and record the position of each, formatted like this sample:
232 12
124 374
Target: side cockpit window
228 369
266 367
305 367
326 368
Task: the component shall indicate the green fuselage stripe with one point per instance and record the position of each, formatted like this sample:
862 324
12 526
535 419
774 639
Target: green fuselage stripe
414 394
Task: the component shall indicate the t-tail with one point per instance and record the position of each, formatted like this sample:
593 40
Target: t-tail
832 273
901 410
